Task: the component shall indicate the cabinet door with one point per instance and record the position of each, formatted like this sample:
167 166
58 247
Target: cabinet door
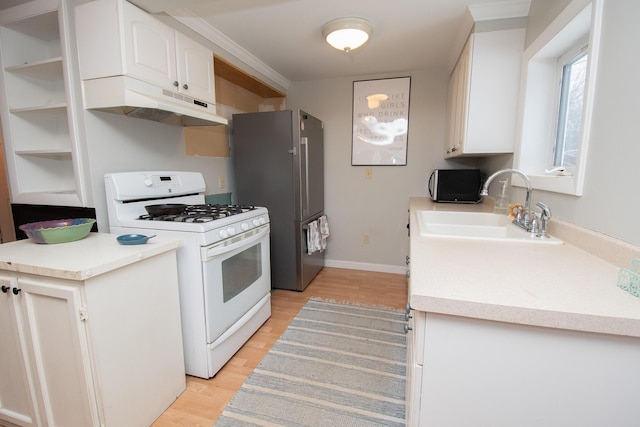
451 122
17 392
415 357
462 108
195 69
493 91
55 334
458 102
149 48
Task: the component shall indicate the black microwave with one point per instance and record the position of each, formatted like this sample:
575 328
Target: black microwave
456 185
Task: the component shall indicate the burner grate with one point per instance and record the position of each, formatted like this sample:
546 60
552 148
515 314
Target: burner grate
201 213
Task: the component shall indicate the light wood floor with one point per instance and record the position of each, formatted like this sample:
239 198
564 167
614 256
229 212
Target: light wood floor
204 400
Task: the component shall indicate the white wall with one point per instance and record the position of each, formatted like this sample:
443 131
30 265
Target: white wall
611 201
117 143
378 207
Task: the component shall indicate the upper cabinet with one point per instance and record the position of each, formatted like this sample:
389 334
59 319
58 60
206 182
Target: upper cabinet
116 38
483 94
38 105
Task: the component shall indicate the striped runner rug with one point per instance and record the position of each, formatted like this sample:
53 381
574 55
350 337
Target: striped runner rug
336 365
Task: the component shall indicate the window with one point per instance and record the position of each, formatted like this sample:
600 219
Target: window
559 77
573 76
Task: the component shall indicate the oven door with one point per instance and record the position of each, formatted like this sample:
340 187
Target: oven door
237 275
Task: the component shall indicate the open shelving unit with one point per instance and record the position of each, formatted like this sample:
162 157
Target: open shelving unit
40 125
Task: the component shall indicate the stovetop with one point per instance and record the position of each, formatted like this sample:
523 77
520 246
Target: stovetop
128 193
210 223
201 213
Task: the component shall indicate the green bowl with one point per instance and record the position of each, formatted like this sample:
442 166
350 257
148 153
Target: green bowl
59 230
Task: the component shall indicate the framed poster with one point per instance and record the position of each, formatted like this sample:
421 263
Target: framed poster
380 122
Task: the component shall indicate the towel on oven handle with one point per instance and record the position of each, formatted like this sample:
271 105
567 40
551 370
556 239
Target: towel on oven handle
323 226
313 237
317 233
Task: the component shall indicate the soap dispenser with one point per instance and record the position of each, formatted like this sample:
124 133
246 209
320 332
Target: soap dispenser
501 205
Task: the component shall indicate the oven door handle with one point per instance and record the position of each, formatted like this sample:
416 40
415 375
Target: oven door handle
247 238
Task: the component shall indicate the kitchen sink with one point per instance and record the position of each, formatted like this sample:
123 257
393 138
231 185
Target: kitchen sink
475 225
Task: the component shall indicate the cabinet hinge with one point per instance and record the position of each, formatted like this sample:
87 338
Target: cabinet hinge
83 313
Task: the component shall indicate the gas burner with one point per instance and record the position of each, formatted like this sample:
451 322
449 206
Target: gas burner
217 211
202 213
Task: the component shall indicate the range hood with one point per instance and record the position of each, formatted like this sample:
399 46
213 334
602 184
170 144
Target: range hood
135 98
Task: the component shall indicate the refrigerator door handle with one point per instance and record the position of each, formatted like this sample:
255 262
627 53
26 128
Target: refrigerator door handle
305 169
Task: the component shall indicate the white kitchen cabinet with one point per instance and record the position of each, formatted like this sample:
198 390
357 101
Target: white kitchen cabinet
116 38
482 96
17 391
46 353
91 333
415 347
39 100
468 371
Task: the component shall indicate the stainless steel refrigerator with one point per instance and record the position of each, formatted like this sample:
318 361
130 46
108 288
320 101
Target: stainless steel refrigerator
278 160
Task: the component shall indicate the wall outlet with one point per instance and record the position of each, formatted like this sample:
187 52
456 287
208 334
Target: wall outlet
368 173
221 182
365 239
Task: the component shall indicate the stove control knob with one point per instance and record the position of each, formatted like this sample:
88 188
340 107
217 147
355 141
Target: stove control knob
244 226
223 234
256 222
231 231
148 182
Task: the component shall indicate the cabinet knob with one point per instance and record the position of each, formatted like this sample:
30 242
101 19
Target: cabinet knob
175 83
16 291
407 328
5 289
185 86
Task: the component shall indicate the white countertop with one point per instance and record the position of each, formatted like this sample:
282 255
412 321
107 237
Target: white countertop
558 286
96 254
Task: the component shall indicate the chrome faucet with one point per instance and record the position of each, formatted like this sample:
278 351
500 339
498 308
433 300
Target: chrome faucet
523 220
545 214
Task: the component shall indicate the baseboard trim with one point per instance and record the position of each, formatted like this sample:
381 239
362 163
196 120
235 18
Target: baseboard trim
381 268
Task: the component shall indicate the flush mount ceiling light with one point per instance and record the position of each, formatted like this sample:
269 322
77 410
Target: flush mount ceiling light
347 33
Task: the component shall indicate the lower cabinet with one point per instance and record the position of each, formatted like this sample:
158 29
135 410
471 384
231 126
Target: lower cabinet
473 372
104 351
45 376
415 349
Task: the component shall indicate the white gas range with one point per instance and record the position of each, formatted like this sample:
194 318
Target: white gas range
223 264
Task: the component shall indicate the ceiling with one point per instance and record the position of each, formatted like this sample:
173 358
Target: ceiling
282 38
285 35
